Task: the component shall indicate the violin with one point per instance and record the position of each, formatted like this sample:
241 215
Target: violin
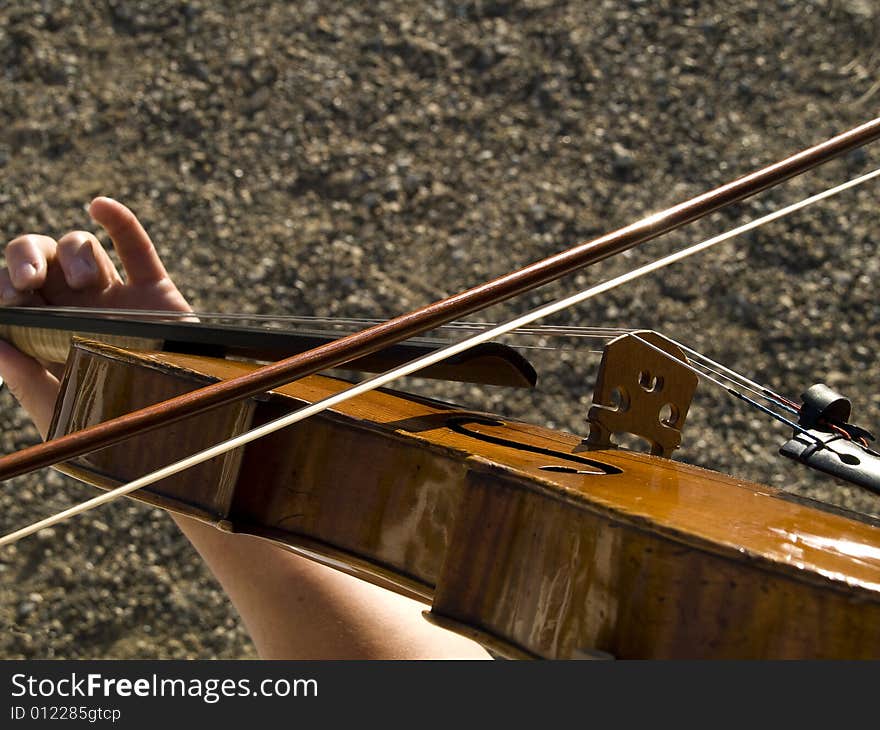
518 536
534 542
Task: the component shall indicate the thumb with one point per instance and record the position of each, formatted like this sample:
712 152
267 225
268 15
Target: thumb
32 385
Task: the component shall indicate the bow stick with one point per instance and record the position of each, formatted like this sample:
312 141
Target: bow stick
426 361
395 330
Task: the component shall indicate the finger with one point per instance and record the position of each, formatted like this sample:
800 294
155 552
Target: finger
32 385
12 297
136 251
84 262
27 258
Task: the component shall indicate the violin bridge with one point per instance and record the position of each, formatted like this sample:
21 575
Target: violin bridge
642 389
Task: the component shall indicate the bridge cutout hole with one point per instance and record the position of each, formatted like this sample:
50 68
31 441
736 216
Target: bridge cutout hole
850 459
669 415
619 399
650 383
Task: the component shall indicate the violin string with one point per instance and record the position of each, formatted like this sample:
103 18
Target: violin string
354 322
732 391
422 362
785 404
760 391
758 388
764 393
351 324
722 372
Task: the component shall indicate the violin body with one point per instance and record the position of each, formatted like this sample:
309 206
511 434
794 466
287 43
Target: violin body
524 538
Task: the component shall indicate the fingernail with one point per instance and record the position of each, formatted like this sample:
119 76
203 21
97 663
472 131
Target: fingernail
83 265
25 272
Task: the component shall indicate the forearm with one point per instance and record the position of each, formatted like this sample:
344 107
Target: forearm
294 608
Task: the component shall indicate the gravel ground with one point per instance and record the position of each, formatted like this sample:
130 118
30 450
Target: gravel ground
362 158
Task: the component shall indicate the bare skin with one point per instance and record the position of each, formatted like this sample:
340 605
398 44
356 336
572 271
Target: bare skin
292 607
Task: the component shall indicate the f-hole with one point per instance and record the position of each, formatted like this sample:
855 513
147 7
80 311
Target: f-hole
594 467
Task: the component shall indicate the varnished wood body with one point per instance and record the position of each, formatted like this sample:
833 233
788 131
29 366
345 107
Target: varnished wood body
606 551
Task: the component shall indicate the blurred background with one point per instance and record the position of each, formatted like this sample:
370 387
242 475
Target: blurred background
360 159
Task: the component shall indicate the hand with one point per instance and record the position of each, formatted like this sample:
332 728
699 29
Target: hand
76 271
293 607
